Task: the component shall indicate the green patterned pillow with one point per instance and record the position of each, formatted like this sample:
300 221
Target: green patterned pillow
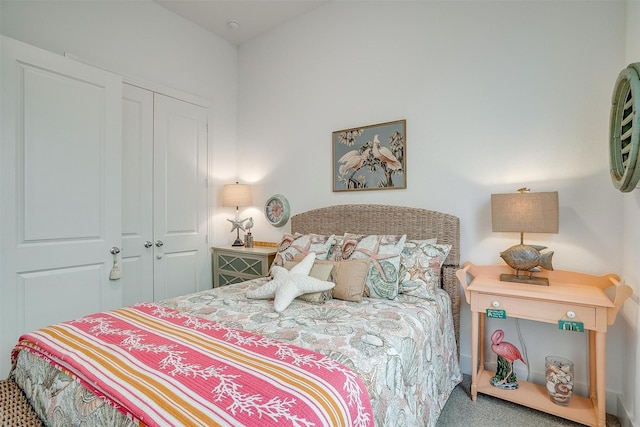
384 253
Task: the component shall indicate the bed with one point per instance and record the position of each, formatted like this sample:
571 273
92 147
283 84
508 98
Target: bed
403 350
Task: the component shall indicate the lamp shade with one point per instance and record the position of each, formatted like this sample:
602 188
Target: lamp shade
525 212
236 195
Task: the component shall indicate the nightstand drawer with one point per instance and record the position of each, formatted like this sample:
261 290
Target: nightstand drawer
542 311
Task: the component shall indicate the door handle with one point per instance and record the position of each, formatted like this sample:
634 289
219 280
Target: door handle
148 244
115 250
159 243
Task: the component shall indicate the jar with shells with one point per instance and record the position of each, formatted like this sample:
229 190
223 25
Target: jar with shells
559 374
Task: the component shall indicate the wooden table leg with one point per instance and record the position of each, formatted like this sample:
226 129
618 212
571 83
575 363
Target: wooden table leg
601 375
474 355
593 395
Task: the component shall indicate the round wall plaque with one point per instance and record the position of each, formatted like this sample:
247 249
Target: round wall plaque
624 139
277 210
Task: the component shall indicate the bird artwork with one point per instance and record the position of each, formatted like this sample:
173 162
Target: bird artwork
353 160
373 157
385 155
505 377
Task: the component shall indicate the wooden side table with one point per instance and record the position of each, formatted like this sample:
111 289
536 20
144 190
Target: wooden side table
569 295
237 264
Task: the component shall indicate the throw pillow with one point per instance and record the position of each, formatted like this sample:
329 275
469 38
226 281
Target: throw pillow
349 276
319 271
410 244
420 268
384 253
288 284
292 244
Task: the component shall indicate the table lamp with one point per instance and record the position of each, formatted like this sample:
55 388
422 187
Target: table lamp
525 212
236 195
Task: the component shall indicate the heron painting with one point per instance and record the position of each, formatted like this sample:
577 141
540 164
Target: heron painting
507 353
370 157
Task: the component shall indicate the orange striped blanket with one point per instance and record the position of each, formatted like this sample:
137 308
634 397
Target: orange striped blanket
162 367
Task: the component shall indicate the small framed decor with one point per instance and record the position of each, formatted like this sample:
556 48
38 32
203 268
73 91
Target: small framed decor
277 210
370 157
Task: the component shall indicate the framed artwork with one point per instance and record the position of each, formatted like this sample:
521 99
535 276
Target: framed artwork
370 157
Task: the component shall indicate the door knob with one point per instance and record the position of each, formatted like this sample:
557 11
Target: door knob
148 244
159 243
115 250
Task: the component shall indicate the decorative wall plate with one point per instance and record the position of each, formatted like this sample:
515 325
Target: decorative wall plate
624 140
277 210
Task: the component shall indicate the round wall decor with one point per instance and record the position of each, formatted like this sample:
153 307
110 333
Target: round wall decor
277 210
624 140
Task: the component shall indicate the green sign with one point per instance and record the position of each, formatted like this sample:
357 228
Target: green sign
493 313
568 325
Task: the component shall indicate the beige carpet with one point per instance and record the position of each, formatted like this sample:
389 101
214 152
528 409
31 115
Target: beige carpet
489 411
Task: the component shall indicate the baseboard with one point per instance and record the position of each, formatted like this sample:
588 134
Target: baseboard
623 414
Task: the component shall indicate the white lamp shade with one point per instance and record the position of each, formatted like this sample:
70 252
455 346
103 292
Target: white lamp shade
525 212
236 195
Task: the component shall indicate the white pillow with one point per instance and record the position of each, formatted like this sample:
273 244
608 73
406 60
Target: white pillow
289 284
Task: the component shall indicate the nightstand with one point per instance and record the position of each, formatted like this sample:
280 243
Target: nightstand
570 295
237 264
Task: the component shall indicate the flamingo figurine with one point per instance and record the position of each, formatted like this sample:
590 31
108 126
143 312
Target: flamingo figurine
510 354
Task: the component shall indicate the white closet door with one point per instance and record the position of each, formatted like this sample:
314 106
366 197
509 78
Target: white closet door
182 259
60 201
137 195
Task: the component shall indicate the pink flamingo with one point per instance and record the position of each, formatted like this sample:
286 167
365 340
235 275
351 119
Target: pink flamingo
506 350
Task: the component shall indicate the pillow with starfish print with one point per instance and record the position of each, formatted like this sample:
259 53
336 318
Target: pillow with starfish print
420 268
292 244
384 253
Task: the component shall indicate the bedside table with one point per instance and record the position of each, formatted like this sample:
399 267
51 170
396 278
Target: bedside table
237 264
570 295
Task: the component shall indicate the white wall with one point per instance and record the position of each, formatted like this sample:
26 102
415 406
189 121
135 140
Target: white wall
142 41
629 408
497 95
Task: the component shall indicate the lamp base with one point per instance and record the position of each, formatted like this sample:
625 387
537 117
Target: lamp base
529 280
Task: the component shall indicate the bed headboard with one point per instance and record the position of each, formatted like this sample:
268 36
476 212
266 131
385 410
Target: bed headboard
385 219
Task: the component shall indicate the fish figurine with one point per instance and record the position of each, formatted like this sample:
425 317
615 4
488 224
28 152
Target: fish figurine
527 257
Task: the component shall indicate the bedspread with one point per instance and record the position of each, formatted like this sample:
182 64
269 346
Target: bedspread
164 367
404 350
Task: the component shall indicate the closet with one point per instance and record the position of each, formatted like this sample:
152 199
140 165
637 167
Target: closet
89 177
164 196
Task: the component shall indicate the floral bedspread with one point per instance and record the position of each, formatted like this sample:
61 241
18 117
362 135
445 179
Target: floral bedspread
404 350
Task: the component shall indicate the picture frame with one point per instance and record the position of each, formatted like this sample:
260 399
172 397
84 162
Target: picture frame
370 157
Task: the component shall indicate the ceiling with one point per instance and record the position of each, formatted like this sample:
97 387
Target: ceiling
253 17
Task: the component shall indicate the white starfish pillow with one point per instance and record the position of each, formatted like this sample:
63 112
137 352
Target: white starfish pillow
289 284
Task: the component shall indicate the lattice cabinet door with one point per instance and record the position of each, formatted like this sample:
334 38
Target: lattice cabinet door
233 265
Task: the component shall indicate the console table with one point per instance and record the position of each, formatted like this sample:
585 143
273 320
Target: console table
571 295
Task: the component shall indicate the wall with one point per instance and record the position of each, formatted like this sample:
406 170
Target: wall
497 95
629 405
141 40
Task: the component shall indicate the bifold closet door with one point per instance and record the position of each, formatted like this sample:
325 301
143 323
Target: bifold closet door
60 190
164 197
137 195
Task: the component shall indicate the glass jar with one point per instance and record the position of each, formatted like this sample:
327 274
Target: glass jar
559 374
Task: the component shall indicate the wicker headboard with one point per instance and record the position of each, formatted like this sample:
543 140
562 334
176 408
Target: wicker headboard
384 219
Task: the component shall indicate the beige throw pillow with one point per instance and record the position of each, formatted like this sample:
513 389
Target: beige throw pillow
349 276
320 272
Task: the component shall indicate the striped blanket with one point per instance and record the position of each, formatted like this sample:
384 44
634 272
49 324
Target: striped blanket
162 367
